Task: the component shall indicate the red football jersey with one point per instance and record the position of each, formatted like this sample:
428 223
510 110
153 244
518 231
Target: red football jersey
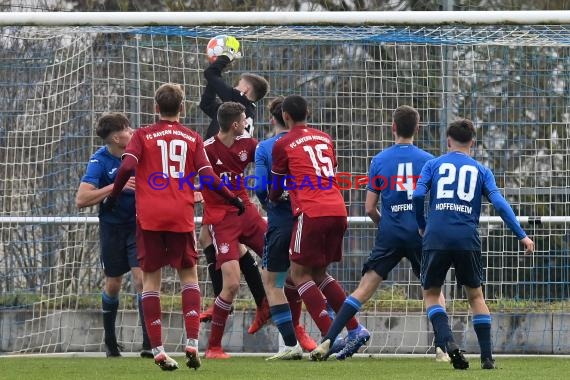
169 155
307 157
229 164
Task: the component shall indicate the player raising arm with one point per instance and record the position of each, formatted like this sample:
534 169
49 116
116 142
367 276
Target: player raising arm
167 156
457 183
250 89
307 156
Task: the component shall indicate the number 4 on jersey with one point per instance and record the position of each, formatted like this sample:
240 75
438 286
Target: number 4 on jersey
405 178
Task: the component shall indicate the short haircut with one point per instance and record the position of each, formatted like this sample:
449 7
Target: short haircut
169 98
296 106
111 122
461 130
406 119
259 85
229 113
276 110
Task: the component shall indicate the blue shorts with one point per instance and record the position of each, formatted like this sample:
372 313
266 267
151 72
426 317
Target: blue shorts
383 260
468 268
276 249
118 248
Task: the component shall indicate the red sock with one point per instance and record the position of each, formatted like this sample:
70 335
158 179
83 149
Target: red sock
219 318
335 295
191 309
316 305
294 300
152 321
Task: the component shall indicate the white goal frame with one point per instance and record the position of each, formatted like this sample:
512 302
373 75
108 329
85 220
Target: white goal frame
283 18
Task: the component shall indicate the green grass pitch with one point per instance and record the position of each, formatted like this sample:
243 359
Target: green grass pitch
250 368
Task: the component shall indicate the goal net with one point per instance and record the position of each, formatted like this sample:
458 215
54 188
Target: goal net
512 81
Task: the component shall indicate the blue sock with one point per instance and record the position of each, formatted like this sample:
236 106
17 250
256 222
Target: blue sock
438 342
349 308
440 323
146 340
110 306
482 326
281 316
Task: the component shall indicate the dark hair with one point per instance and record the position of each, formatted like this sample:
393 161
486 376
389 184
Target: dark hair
259 85
461 130
169 98
111 122
296 106
276 110
406 119
229 113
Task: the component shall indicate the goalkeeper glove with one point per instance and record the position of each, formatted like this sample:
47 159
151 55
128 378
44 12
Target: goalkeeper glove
249 129
109 204
231 48
238 203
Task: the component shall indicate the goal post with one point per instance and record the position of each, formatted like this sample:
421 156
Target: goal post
507 71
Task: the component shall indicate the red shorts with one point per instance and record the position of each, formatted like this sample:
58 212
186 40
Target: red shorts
248 228
157 249
317 242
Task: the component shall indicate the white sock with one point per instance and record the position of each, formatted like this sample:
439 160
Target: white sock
192 343
157 350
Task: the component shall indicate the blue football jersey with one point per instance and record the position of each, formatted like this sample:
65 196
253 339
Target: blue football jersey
393 175
457 184
277 213
101 171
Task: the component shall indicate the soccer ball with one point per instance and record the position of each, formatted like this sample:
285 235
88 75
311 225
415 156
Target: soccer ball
223 45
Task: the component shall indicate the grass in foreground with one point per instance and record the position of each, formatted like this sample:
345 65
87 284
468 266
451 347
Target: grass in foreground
251 368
